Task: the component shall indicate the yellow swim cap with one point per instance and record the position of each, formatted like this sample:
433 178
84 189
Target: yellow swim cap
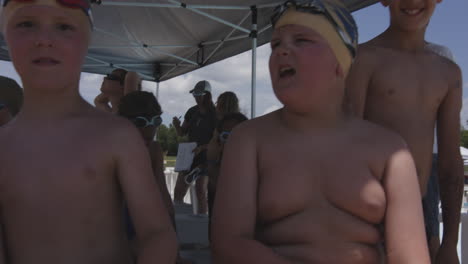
328 18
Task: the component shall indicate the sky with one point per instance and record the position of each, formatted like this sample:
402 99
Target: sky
448 27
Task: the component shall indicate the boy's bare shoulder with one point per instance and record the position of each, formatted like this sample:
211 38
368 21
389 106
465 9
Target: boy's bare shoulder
113 126
257 125
447 64
379 137
369 54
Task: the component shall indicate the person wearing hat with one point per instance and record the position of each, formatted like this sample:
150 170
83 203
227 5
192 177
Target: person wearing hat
199 124
287 191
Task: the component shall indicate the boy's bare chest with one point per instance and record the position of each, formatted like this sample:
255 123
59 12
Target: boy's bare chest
321 178
55 172
408 83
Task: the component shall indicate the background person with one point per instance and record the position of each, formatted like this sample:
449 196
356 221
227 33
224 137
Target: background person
215 155
114 86
143 110
199 124
11 99
400 83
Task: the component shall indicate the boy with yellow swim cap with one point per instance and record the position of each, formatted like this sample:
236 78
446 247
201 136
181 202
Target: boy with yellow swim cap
288 192
66 167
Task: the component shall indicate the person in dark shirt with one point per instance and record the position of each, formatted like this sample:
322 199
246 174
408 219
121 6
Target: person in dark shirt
199 124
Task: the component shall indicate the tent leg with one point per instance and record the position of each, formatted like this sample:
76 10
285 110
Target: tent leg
157 90
254 62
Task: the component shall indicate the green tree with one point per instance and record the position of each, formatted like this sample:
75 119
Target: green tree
464 138
163 133
167 137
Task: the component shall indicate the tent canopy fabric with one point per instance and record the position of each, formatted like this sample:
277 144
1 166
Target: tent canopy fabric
162 39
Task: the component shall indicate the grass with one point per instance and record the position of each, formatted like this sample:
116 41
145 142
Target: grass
170 161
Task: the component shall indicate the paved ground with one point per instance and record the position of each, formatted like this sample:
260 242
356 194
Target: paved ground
192 231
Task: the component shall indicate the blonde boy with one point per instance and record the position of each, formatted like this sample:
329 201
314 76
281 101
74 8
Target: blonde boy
65 167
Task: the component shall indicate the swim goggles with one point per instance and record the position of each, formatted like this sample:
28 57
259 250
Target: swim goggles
111 77
84 5
339 17
2 105
198 94
223 136
142 122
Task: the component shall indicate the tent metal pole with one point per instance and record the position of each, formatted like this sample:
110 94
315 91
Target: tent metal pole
222 41
157 90
139 46
217 19
254 61
175 5
142 45
117 66
177 64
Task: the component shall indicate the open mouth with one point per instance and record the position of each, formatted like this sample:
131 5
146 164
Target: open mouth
412 12
45 61
287 72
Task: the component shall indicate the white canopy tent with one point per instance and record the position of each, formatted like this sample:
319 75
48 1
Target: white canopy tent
464 154
162 39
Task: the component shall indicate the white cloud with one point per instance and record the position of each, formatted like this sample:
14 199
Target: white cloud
89 77
233 74
271 109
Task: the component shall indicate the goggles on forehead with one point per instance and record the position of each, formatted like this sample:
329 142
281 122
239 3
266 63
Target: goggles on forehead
81 4
339 17
142 122
111 77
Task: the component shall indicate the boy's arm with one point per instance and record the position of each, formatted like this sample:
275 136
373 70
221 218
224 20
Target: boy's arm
235 210
102 102
405 238
2 241
450 166
156 237
357 82
157 160
212 155
132 82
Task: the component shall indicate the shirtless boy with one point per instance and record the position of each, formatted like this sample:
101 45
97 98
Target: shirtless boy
65 167
288 192
397 82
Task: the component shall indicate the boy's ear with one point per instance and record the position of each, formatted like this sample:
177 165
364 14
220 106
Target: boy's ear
387 2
